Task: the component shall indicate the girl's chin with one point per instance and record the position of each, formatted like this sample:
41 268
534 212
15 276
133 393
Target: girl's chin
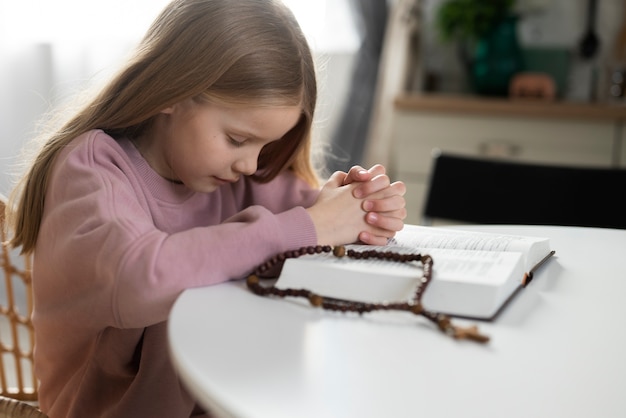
206 186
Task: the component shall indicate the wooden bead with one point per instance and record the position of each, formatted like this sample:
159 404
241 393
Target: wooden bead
443 323
315 300
339 251
417 308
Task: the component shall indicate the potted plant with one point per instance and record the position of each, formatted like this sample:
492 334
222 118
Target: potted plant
486 34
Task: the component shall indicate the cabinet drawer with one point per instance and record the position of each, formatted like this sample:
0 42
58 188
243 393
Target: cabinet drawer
539 140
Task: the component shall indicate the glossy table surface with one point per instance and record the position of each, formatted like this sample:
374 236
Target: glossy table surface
557 350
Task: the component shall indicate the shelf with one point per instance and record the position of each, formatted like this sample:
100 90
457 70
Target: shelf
511 107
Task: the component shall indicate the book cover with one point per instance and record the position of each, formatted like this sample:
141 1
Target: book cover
474 274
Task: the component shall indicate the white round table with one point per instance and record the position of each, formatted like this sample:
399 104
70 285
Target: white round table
557 350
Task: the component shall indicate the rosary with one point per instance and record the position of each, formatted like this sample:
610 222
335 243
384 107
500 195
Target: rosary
413 306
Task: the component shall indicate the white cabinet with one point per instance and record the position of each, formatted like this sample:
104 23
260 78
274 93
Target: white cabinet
563 139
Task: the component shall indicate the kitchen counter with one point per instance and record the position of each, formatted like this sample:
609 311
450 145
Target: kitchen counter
441 104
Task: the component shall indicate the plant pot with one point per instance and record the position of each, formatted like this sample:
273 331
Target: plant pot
497 58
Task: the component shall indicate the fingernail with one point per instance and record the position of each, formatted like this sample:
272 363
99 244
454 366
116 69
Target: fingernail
372 217
368 205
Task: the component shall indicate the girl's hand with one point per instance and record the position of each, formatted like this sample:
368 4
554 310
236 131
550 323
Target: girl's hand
385 212
370 181
383 202
338 216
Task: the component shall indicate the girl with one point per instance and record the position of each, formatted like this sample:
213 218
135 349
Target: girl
190 168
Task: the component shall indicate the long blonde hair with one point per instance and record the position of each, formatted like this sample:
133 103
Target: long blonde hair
248 52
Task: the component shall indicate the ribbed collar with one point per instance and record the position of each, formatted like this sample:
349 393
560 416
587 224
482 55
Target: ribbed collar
160 188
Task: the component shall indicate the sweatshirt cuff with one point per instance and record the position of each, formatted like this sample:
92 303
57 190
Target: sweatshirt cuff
298 228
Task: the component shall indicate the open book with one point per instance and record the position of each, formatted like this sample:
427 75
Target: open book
474 273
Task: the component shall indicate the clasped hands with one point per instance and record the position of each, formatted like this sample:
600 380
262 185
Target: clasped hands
360 205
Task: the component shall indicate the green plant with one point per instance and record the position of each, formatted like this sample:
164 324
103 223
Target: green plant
470 19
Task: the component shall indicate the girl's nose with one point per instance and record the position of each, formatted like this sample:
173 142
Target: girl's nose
246 165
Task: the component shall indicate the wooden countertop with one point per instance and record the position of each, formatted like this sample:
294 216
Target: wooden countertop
601 112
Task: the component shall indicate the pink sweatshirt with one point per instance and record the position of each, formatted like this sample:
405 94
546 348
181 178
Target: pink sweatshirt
118 243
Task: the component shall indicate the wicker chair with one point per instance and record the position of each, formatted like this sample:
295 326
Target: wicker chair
12 408
17 377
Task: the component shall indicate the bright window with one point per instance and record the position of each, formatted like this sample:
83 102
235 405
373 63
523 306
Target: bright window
326 23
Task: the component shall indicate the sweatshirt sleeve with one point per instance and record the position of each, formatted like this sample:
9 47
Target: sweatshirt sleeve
99 250
286 191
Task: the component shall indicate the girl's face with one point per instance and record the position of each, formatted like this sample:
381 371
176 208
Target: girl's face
205 145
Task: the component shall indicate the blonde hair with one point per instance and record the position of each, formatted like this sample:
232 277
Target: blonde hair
240 52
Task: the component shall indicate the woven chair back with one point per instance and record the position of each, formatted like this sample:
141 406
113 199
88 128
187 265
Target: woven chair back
17 378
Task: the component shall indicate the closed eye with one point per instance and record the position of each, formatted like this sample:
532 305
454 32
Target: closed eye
237 142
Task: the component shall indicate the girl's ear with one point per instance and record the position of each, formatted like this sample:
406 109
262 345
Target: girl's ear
180 106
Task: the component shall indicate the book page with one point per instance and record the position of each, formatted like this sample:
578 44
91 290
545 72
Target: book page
533 248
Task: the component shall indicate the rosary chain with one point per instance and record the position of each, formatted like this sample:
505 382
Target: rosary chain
414 306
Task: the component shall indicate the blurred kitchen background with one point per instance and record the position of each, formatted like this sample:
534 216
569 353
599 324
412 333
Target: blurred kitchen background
576 41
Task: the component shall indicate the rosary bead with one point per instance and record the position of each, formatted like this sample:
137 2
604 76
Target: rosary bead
417 308
315 300
443 322
253 279
339 251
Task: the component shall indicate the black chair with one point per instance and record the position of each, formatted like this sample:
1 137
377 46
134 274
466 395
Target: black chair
495 191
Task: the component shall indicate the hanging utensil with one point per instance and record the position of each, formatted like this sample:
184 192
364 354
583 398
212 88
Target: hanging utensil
590 42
